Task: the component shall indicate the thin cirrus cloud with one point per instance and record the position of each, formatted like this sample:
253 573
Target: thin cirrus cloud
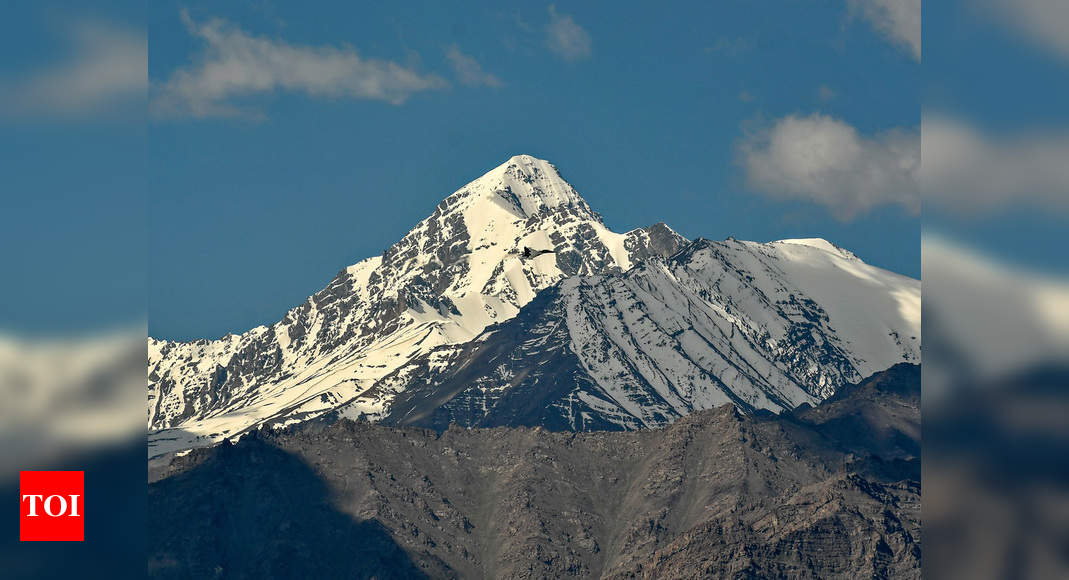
827 161
235 65
1044 23
566 38
898 20
104 71
971 172
468 70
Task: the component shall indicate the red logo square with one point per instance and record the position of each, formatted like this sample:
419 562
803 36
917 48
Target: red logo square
51 506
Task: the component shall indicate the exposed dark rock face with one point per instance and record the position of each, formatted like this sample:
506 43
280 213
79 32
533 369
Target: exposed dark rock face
522 374
658 240
877 416
268 516
716 494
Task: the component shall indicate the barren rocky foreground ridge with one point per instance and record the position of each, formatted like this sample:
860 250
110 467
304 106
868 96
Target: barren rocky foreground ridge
825 491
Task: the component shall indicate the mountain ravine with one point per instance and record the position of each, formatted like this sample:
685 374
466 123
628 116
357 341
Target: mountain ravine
456 322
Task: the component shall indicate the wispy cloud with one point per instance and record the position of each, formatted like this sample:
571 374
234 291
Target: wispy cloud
565 37
827 161
972 172
468 70
106 68
236 64
1045 23
898 20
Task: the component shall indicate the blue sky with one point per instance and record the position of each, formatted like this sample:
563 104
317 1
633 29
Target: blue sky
259 201
286 142
1000 68
254 181
73 211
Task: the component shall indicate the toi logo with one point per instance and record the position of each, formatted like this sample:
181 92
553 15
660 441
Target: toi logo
51 506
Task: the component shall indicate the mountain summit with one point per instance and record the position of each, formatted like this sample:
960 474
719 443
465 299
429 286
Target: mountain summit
528 184
458 271
641 327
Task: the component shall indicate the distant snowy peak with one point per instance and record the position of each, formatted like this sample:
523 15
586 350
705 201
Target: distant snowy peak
473 243
527 184
514 302
459 270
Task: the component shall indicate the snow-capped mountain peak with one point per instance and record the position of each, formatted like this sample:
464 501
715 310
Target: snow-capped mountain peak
527 184
646 325
459 270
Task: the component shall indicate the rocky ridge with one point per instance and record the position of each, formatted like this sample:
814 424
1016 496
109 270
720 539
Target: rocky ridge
718 494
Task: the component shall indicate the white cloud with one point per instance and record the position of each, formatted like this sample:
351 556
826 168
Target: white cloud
969 171
106 68
566 38
468 70
236 64
1043 22
824 160
899 20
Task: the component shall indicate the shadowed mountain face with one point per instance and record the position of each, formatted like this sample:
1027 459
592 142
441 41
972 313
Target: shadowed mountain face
763 326
878 416
257 511
716 494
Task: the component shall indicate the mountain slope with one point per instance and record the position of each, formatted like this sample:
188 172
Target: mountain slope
764 326
455 273
716 494
606 331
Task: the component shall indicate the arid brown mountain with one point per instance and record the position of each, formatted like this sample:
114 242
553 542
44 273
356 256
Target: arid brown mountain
825 491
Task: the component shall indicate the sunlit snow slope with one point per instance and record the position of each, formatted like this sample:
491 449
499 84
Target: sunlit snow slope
455 273
763 326
620 331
